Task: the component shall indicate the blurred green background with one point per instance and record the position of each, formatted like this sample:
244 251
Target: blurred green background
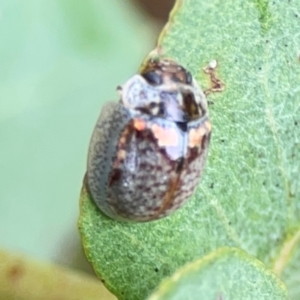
60 61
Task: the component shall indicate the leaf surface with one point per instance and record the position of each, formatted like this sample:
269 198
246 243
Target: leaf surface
227 273
249 196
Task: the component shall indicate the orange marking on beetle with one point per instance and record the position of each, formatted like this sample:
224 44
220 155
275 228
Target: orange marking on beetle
165 136
121 154
123 137
208 126
139 124
196 134
122 140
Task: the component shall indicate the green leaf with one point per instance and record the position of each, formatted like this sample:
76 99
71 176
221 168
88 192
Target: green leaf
288 264
227 273
249 196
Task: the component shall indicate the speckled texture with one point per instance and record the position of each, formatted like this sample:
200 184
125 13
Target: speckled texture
102 151
148 184
138 186
148 151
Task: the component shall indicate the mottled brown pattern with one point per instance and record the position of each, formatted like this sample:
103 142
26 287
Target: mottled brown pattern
169 71
148 185
148 151
145 175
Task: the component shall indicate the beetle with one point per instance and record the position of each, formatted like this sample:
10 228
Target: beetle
148 150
